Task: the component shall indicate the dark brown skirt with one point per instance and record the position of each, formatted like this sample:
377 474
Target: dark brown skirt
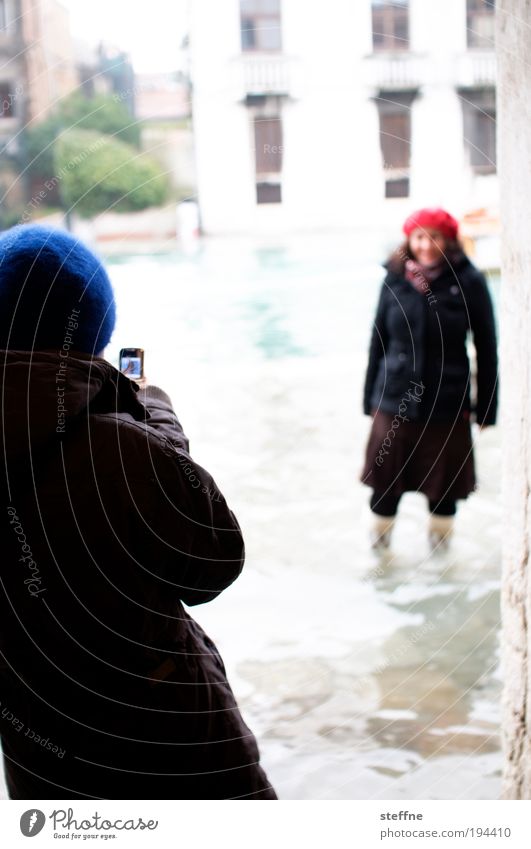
435 459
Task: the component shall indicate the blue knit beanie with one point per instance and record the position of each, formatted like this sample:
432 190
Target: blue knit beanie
46 276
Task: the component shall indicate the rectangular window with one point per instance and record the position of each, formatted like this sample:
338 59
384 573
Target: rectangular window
260 25
483 158
268 157
394 111
390 25
7 101
480 23
398 188
268 193
479 121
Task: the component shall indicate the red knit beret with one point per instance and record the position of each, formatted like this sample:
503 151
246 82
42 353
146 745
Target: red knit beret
432 218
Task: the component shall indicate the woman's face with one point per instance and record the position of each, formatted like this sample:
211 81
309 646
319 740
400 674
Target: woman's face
427 246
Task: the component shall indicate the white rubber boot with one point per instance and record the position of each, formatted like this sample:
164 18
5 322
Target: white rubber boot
381 531
440 530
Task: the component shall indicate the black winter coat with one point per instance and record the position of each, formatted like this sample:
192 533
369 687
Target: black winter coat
108 688
418 363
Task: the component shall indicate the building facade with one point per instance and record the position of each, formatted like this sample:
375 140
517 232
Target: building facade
37 68
340 114
37 65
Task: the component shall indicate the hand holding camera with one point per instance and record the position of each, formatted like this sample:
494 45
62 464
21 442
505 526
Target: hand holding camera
132 365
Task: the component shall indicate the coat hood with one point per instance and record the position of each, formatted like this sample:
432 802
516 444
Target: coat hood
43 393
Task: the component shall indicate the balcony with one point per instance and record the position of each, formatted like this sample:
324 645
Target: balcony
476 69
394 72
263 74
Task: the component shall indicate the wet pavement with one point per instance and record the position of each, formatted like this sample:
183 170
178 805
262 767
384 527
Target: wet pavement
362 676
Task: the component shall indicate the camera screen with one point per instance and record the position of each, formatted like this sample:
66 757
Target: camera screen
132 367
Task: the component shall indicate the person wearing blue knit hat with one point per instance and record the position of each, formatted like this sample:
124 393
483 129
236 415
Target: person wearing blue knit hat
110 689
44 274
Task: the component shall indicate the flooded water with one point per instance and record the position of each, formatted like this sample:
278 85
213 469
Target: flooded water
363 677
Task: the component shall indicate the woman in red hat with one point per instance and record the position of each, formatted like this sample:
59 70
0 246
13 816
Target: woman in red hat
418 382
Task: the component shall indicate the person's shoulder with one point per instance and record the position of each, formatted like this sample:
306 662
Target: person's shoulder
128 436
468 273
393 277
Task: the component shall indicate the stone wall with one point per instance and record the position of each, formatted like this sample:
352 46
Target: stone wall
514 134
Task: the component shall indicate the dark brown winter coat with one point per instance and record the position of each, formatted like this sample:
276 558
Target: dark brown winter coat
108 687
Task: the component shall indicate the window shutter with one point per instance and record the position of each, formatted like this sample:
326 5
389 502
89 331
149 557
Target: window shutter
268 143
